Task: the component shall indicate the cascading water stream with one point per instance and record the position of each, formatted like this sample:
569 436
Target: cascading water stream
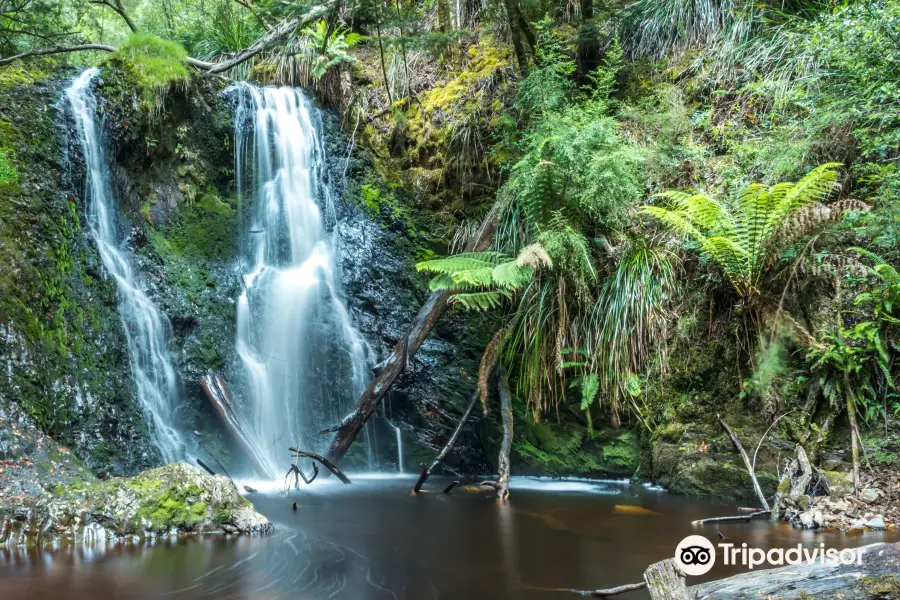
305 362
147 330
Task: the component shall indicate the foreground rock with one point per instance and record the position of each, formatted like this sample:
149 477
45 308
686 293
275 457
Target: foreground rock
176 498
878 577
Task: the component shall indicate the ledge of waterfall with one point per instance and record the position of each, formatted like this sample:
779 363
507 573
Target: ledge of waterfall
170 500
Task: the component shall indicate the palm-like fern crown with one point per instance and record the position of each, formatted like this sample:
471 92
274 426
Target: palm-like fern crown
482 280
746 235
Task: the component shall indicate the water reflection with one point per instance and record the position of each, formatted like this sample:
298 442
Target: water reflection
374 541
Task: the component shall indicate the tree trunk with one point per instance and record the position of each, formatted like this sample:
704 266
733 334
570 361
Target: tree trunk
387 83
430 313
747 463
587 40
514 20
854 432
506 418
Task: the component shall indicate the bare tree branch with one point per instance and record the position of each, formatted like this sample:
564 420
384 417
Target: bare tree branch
274 35
118 9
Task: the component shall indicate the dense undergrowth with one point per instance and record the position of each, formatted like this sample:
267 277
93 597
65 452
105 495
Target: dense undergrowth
698 200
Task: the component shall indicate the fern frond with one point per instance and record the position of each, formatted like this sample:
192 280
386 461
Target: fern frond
510 275
480 300
461 262
441 281
534 256
807 220
474 278
590 385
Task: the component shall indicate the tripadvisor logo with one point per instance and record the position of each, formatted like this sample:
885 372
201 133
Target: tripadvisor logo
696 555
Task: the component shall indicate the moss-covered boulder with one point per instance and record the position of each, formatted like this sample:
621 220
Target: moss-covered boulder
177 498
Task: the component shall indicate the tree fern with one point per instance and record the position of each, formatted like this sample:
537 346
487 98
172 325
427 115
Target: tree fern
746 236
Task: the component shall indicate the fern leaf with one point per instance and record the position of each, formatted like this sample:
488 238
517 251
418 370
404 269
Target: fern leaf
590 385
480 300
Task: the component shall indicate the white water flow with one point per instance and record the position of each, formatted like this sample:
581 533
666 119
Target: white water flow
147 330
305 362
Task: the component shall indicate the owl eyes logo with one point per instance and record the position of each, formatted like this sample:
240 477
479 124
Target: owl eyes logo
695 555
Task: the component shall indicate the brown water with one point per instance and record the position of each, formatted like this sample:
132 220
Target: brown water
372 540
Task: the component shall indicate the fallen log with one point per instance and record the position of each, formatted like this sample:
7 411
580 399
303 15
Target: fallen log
219 395
432 310
665 581
875 577
747 463
325 463
745 517
506 417
427 470
452 485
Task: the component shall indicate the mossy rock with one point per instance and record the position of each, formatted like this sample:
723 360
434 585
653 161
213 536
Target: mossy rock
176 498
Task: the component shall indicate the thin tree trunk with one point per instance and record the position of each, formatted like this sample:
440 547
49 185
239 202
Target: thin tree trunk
854 432
430 313
506 418
747 463
387 83
587 40
402 44
426 471
514 20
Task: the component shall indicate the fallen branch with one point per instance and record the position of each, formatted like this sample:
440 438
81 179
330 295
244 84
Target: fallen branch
219 395
325 462
432 310
273 35
746 517
621 589
747 463
427 470
452 485
205 467
298 474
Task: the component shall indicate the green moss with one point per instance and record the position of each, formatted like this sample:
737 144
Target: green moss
154 66
886 586
223 515
169 507
9 175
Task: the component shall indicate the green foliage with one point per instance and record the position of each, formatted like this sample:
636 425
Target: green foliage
9 175
482 280
746 236
155 65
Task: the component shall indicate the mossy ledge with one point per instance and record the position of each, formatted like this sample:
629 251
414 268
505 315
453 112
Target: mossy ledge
174 499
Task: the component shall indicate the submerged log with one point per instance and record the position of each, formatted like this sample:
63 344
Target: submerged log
205 467
325 463
432 310
427 470
219 395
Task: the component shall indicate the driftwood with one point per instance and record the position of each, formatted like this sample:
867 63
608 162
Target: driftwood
452 485
746 517
325 463
432 310
665 581
273 35
427 470
506 417
298 475
747 463
219 395
631 587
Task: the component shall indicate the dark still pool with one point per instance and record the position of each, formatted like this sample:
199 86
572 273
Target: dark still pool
374 540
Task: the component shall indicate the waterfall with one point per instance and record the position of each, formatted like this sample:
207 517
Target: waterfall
147 330
305 363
